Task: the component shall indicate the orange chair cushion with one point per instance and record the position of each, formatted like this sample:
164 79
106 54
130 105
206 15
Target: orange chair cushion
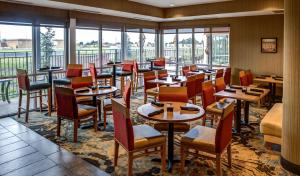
146 136
85 110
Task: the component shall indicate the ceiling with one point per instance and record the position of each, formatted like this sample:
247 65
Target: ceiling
175 3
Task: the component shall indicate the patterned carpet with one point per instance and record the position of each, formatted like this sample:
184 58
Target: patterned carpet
249 156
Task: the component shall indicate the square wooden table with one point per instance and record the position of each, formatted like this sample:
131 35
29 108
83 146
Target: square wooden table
168 81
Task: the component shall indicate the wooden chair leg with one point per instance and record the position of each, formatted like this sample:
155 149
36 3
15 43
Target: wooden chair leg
163 159
182 161
229 155
104 119
76 123
130 163
58 126
145 98
218 165
49 101
41 100
116 153
203 121
27 106
95 122
20 103
122 84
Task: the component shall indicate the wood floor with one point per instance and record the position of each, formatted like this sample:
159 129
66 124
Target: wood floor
24 153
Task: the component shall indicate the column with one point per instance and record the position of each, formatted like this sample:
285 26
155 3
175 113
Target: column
290 151
72 41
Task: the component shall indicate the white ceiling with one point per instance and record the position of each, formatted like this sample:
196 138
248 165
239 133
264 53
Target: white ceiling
175 3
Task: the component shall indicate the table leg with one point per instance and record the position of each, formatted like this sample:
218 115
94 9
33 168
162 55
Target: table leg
151 67
6 92
274 92
170 146
246 111
238 116
114 75
2 91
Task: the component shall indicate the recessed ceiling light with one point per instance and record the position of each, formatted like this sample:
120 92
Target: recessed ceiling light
172 5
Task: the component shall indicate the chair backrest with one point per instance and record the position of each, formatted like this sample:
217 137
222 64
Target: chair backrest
126 93
219 73
78 82
127 65
243 78
199 80
191 86
93 71
224 129
162 73
135 67
160 62
122 124
193 67
23 79
185 70
227 76
74 70
249 77
175 94
149 76
66 103
220 84
208 92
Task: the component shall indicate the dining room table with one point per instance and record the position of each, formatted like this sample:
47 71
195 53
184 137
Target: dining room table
272 81
178 114
168 81
95 92
208 73
246 94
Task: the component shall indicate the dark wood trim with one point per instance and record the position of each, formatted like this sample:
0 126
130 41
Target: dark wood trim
291 167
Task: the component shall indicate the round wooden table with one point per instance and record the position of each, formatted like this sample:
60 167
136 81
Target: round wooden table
177 116
95 93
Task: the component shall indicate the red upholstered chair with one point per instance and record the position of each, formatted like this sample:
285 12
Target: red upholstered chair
74 70
162 73
191 88
249 77
127 70
32 88
138 140
185 70
193 68
220 84
219 73
208 98
79 82
159 63
243 78
67 108
200 78
107 105
209 140
227 76
138 73
103 77
149 88
173 94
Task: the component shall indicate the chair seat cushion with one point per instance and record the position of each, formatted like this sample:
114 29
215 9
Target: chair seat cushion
178 127
143 70
62 81
271 124
146 136
39 85
201 137
87 100
152 91
107 104
104 75
85 110
123 73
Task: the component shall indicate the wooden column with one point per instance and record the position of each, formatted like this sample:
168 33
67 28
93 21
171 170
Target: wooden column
290 152
72 41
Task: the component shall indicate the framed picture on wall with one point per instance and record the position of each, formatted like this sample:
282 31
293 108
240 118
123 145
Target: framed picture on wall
269 45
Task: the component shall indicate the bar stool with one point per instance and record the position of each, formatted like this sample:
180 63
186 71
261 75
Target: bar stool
138 73
30 88
127 70
99 77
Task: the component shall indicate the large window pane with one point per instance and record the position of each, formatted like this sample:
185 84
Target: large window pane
185 44
220 49
51 47
169 49
202 40
132 44
87 47
111 45
148 42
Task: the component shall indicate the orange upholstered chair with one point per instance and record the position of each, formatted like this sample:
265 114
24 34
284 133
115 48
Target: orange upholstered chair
149 88
219 73
138 72
208 98
138 140
79 82
159 63
227 76
249 77
200 78
191 87
73 70
67 108
185 70
102 76
220 84
162 73
193 68
243 78
209 140
127 70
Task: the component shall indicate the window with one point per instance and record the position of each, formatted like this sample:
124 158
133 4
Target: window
87 47
220 46
185 45
111 45
201 42
132 44
148 44
170 49
51 47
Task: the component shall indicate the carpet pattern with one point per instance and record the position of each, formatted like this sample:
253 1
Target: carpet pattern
249 156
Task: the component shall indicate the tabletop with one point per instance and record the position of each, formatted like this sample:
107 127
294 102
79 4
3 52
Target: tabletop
113 64
168 81
217 107
239 95
201 71
85 91
178 115
269 79
50 69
